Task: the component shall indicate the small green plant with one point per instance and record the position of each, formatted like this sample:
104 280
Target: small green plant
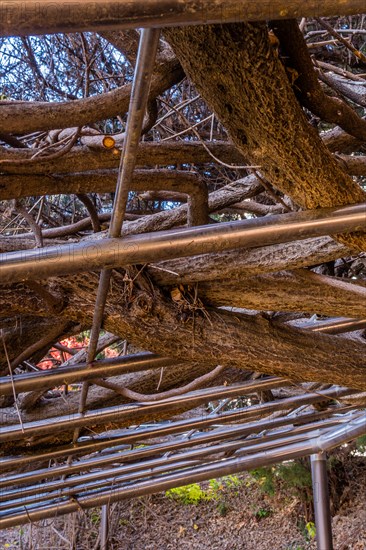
262 513
188 494
193 493
232 481
310 530
294 474
361 444
223 508
95 517
266 479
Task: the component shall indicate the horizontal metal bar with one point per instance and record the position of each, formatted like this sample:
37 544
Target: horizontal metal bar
335 326
129 472
133 436
81 371
114 414
177 243
201 473
356 427
166 447
19 17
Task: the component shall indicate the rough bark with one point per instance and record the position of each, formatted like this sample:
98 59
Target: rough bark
242 263
308 88
84 159
30 337
238 72
288 291
41 17
100 181
210 337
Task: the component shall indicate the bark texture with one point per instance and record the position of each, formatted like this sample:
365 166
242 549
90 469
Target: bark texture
147 318
239 74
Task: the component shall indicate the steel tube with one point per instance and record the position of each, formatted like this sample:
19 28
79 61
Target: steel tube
208 471
152 247
146 55
19 17
113 414
127 473
335 326
104 527
355 428
323 519
226 467
9 464
82 371
249 445
148 46
242 430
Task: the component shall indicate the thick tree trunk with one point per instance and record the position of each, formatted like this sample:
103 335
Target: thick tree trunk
239 74
148 319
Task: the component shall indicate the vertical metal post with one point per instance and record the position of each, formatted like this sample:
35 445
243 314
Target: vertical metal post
323 520
104 527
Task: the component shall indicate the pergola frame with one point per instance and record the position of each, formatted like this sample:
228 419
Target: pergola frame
272 432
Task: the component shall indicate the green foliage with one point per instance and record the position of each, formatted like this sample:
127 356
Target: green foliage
194 494
361 444
95 516
222 508
265 477
232 481
188 494
311 530
294 475
262 513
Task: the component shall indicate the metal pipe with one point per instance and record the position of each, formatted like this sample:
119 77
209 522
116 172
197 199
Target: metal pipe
18 17
249 445
114 414
152 247
114 477
129 437
339 325
148 45
225 467
323 519
104 527
81 371
241 430
355 428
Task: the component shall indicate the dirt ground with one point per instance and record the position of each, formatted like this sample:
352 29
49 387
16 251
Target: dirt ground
238 518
